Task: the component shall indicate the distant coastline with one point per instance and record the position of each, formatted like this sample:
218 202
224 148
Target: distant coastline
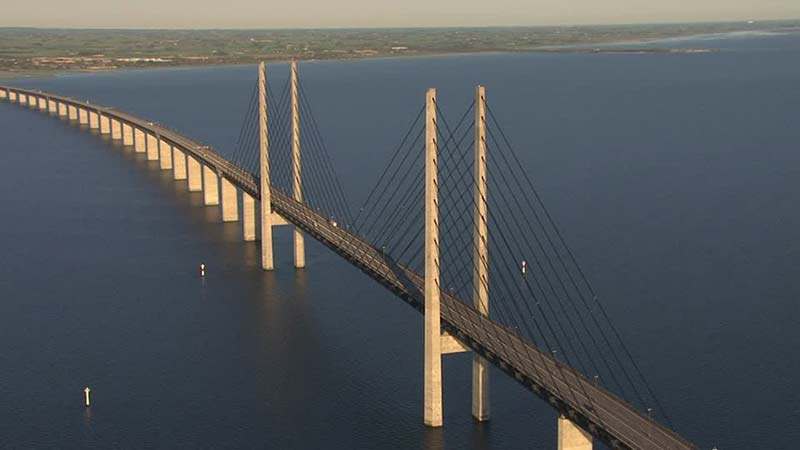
30 52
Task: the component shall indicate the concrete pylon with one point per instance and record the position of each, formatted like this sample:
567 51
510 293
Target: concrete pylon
43 102
105 124
73 112
571 436
152 147
83 116
230 201
94 120
267 262
210 187
480 275
194 174
297 187
127 134
248 217
139 142
433 337
116 129
165 154
178 164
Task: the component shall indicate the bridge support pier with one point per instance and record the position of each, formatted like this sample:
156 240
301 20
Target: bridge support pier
139 144
178 164
83 116
210 187
62 110
195 176
230 201
571 436
105 124
94 120
116 129
12 96
3 93
43 103
248 217
432 395
165 156
73 112
127 134
152 147
52 106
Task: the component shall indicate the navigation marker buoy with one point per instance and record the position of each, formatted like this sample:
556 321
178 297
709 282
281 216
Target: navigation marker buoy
86 391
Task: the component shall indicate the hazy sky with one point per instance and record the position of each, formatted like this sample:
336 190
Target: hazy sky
377 13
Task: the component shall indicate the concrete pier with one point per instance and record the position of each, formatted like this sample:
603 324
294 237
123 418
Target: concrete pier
230 201
12 96
165 154
105 124
210 187
127 134
297 190
432 362
194 174
139 144
480 256
116 129
43 103
3 93
94 120
152 147
248 217
52 106
22 99
267 262
83 116
572 437
73 112
178 164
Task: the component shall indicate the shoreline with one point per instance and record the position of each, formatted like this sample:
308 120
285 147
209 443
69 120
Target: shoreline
599 47
27 75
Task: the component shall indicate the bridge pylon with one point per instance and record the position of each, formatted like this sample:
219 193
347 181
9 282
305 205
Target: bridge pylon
269 218
267 262
436 342
297 188
480 276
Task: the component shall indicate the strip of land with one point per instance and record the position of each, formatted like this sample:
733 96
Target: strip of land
35 51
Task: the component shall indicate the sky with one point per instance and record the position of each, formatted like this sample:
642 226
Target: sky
378 13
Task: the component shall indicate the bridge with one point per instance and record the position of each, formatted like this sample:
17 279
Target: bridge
451 200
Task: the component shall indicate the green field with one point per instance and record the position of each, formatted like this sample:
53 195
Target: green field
34 51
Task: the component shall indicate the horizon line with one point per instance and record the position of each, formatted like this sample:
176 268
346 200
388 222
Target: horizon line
409 27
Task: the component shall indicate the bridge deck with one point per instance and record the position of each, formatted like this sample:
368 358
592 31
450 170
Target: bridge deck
607 416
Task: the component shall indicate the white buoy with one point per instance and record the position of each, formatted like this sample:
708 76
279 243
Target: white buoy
86 391
202 270
524 266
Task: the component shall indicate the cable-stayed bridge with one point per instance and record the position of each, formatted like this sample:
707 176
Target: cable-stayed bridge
453 226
